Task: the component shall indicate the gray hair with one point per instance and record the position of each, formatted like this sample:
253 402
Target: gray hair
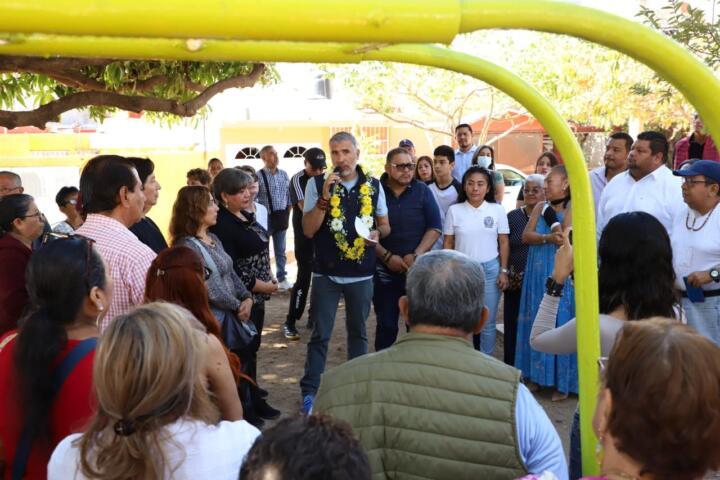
535 178
13 175
342 137
230 181
446 288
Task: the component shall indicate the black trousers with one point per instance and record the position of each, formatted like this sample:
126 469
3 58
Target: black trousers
511 309
299 292
248 357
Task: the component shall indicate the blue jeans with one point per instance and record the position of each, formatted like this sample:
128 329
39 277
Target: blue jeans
575 464
704 317
389 287
324 298
278 239
485 341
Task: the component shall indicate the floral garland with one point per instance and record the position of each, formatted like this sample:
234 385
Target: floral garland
355 251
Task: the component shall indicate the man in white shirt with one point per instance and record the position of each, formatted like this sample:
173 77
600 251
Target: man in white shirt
616 152
445 188
465 151
696 247
647 186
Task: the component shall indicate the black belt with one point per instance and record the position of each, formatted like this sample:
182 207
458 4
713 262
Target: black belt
706 293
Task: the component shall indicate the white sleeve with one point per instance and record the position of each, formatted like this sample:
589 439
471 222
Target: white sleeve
503 225
64 462
448 227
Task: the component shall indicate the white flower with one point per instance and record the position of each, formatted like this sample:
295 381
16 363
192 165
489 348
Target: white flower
367 220
336 225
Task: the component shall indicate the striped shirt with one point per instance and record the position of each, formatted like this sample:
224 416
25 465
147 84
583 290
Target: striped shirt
126 257
279 186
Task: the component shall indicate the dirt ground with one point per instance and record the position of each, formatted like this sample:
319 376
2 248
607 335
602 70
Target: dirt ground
281 363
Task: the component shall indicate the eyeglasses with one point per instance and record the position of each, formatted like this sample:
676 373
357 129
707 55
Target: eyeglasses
259 231
688 181
37 214
602 366
70 202
404 166
6 190
532 191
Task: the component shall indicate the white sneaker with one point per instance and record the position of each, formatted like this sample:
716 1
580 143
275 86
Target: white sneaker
284 285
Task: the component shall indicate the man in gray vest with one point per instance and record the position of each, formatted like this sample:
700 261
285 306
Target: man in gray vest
432 406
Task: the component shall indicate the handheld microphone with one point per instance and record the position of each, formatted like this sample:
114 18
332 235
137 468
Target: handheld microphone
336 170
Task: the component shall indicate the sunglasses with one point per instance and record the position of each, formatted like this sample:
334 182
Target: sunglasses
53 236
404 166
258 230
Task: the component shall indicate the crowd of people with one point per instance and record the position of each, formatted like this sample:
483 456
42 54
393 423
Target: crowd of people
124 354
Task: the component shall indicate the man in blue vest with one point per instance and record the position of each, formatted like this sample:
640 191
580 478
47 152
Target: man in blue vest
344 261
415 222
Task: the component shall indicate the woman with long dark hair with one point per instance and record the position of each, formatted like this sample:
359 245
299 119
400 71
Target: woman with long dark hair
478 227
46 366
633 248
177 275
20 224
247 243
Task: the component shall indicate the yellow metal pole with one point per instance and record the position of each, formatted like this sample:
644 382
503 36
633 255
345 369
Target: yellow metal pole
419 21
584 220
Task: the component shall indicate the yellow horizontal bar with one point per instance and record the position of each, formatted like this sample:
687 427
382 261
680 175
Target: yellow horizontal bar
423 21
665 56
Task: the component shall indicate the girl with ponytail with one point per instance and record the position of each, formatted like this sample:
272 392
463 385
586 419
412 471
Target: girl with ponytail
46 365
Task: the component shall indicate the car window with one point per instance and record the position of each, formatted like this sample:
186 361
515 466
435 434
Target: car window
512 178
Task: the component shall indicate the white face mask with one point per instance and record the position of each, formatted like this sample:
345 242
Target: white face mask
483 161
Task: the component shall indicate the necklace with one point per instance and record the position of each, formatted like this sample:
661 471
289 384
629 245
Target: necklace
692 227
336 221
612 474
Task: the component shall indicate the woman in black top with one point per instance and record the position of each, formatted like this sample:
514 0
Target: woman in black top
247 243
517 219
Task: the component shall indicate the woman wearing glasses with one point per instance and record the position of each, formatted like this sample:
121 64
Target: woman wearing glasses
46 366
517 220
20 224
247 244
194 212
67 201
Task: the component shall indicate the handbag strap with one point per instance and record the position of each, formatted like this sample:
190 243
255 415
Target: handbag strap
60 374
267 187
209 262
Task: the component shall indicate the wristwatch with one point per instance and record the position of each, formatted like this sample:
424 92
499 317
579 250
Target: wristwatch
505 271
553 288
715 275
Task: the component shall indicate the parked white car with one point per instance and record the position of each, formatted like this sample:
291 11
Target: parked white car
514 181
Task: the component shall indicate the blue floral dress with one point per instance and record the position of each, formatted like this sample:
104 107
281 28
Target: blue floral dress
544 369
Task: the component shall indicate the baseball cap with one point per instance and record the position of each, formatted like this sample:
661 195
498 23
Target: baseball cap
315 157
406 142
708 168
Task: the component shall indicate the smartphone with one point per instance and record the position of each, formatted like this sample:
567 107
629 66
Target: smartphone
695 294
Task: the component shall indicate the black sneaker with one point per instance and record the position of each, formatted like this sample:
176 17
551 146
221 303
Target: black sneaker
250 416
262 393
264 410
291 332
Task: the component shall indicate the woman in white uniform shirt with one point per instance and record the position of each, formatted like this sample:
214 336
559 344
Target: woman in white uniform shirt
478 227
696 246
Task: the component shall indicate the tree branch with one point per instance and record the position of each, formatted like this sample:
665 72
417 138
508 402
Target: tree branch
133 103
63 70
414 123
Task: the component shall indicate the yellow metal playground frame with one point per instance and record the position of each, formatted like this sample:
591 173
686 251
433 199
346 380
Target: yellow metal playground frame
405 31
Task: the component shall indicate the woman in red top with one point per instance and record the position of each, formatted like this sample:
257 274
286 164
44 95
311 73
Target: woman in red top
69 291
20 223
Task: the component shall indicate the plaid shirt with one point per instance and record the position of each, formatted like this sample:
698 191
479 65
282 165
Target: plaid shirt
127 258
279 189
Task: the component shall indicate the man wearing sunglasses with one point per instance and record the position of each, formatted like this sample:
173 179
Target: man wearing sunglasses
415 226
